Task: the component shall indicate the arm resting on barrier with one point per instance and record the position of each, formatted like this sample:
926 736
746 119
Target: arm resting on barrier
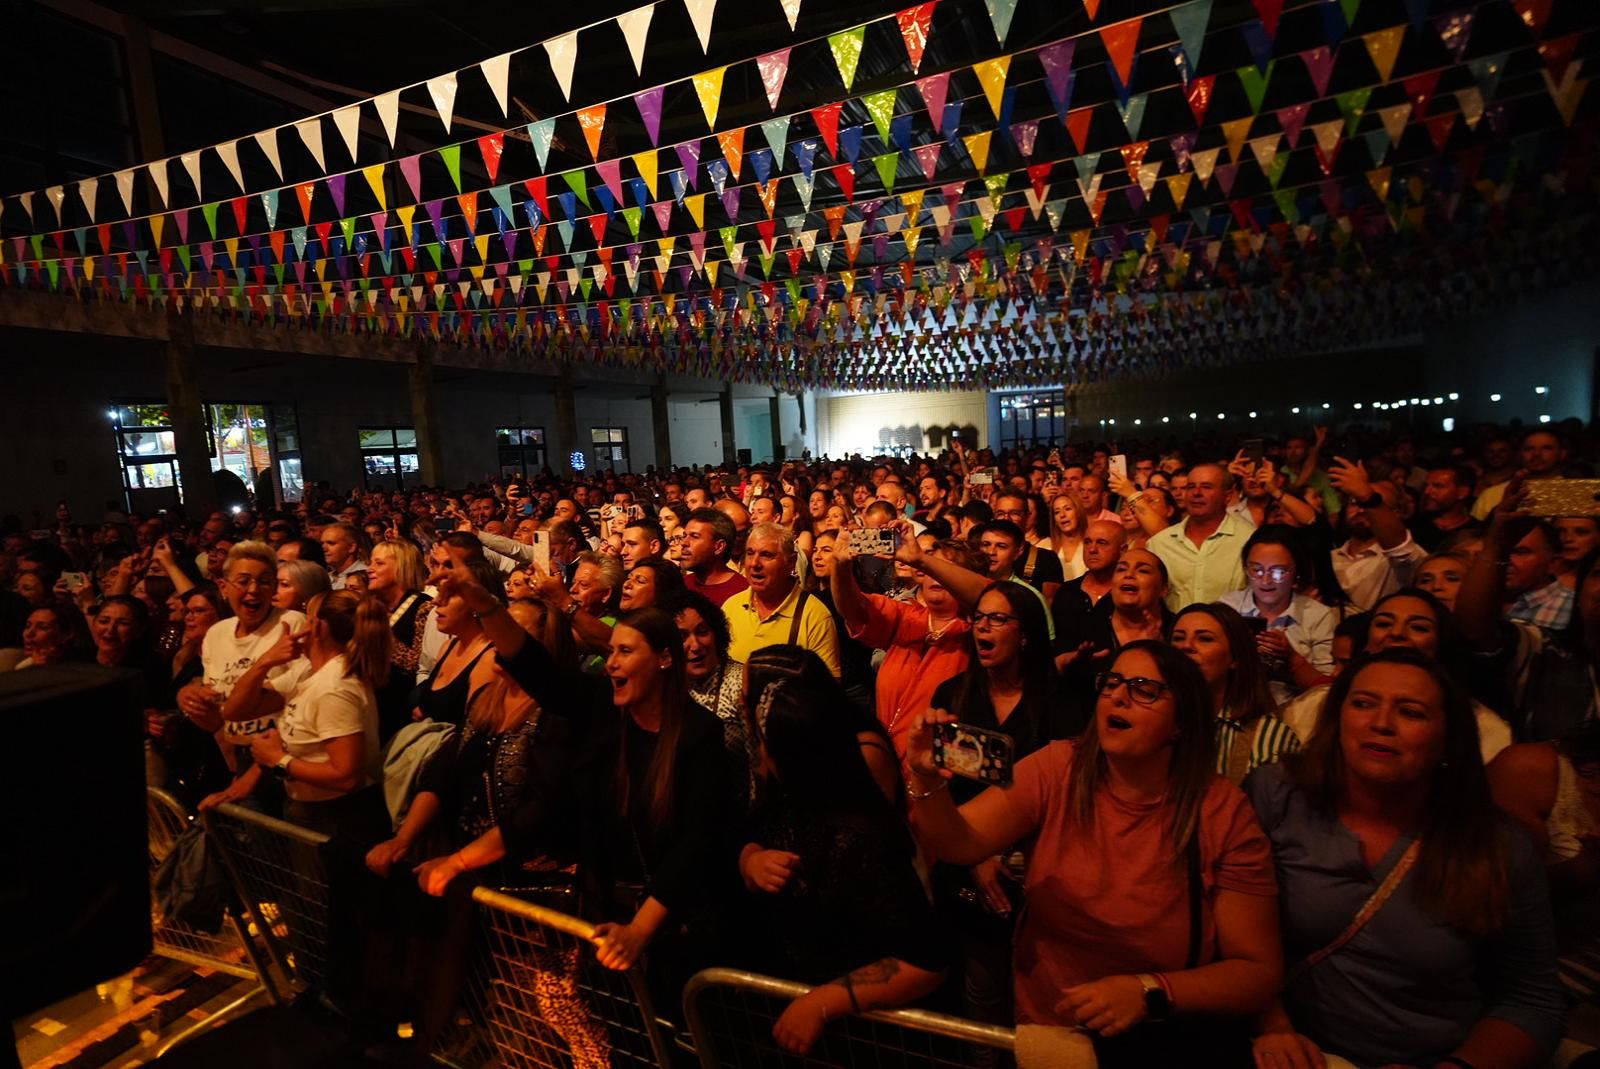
618 946
880 985
424 808
1278 1044
434 876
239 788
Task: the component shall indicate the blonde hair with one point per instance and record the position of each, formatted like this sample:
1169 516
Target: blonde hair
259 552
409 570
361 626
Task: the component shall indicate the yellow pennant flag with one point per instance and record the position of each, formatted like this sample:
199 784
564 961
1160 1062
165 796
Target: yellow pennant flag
1378 179
88 268
708 85
697 209
1178 186
712 266
1234 134
406 213
912 203
992 76
156 224
1384 48
645 162
481 243
375 180
978 148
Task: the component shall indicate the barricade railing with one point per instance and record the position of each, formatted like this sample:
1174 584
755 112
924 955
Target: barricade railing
281 873
536 997
731 1013
230 950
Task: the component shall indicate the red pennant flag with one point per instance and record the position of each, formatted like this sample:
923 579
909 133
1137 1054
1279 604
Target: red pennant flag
1534 12
1133 158
1439 128
914 23
597 227
1557 53
845 175
1078 126
1014 217
104 230
1419 87
1093 8
835 218
1121 39
492 146
1037 174
1270 11
1199 95
536 190
1158 228
1292 119
241 208
323 230
275 239
827 120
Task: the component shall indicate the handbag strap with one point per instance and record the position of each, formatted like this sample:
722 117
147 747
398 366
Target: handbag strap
799 615
1369 910
1196 896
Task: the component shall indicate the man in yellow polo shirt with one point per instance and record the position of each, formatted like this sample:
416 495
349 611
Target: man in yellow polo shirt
775 610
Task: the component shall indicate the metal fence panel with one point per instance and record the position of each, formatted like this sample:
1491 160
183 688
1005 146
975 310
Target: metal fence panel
536 998
731 1014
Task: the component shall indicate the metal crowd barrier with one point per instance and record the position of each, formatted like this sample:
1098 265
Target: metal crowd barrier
231 950
281 873
536 997
731 1014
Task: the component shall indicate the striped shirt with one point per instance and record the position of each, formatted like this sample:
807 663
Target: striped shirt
1269 738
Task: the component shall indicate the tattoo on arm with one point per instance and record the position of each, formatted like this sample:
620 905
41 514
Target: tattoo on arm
879 972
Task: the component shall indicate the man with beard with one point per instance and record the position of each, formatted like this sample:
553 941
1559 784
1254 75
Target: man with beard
1446 507
708 541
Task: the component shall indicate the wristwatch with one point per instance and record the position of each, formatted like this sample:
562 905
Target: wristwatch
281 769
571 608
1157 1005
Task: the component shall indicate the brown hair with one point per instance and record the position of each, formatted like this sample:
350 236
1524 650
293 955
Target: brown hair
1246 695
361 626
1462 876
660 631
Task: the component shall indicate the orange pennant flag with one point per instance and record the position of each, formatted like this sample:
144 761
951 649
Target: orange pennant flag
593 121
1121 39
1078 127
732 144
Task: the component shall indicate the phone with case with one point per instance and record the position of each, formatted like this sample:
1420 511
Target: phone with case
974 753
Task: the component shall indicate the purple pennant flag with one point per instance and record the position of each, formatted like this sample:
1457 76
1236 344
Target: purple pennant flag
436 213
730 203
336 190
689 157
633 255
649 105
1057 62
1024 134
684 274
508 238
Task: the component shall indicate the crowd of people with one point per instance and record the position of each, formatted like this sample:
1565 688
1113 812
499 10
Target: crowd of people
1294 743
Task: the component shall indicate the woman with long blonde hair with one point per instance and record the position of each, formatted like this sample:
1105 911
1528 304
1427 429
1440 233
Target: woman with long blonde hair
1067 524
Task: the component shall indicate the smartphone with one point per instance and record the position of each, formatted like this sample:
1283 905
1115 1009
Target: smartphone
75 581
974 753
1257 624
635 512
1563 497
1255 451
541 550
1117 465
39 536
983 478
873 543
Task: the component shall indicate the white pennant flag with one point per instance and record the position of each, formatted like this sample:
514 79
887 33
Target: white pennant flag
310 131
791 11
635 25
388 106
58 196
26 200
563 52
348 122
159 176
497 72
88 189
125 188
443 91
700 12
228 153
267 141
191 163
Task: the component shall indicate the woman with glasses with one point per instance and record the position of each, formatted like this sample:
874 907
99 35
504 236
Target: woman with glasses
1010 688
1151 905
1416 912
1294 636
1135 611
1249 733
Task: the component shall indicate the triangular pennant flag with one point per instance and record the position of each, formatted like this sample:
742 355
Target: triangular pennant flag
592 120
451 154
934 89
442 90
773 68
1265 149
791 11
1384 48
1234 134
348 122
1078 126
310 131
845 175
880 107
649 105
927 157
1178 188
88 190
497 72
887 165
1121 39
1486 72
1133 158
827 120
1086 164
267 141
1000 13
1329 135
914 24
992 76
1439 127
191 163
303 193
491 147
1566 92
563 53
708 87
335 184
647 166
1204 163
1378 179
1056 60
375 180
1292 119
1199 96
1352 105
776 131
1394 119
1455 30
228 153
1023 135
732 145
1133 112
846 49
978 148
125 191
1319 65
1269 11
635 27
1534 12
1255 80
1189 21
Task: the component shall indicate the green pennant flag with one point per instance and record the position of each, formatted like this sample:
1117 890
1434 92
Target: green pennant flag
451 155
632 216
846 48
728 233
575 182
978 229
1350 9
210 213
887 164
1286 205
766 263
53 269
348 228
881 107
1013 251
183 257
585 285
996 185
1255 83
1352 105
793 286
1275 172
277 272
38 246
436 250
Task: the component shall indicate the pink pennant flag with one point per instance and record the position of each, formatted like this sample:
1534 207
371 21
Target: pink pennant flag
1292 119
774 66
934 89
1319 64
611 173
411 168
928 158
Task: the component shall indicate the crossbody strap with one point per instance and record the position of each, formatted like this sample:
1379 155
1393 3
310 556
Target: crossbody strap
1196 897
799 616
1366 913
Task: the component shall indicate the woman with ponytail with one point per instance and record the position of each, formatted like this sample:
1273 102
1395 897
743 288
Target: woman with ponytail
325 745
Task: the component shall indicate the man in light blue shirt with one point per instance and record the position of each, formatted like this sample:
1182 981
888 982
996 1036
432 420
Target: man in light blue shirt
1203 553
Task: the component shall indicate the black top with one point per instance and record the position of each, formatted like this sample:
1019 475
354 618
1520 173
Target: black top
1430 537
448 704
855 657
394 697
854 898
1039 565
1070 609
1037 720
1094 627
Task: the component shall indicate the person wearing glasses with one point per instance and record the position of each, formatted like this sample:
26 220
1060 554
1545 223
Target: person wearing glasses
1294 635
1151 917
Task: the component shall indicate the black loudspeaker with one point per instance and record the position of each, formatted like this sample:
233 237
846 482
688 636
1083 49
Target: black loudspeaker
74 855
744 457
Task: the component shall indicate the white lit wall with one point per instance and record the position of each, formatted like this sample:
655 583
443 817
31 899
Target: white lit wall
867 423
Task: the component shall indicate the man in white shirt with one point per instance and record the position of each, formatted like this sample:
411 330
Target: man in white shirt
342 552
1379 556
1202 553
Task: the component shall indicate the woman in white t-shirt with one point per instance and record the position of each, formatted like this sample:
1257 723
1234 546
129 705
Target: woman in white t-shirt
325 745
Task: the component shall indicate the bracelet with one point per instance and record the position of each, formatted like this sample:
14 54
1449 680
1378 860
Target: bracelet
1461 1063
911 792
855 1006
1172 1004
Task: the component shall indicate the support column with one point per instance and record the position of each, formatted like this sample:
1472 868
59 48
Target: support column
566 424
188 414
725 402
661 424
776 418
430 450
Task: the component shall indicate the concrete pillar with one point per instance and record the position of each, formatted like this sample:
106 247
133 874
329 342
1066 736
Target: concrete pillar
661 424
725 402
566 424
430 450
188 414
776 418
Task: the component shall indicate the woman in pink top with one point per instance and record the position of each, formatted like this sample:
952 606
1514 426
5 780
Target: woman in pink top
1151 914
